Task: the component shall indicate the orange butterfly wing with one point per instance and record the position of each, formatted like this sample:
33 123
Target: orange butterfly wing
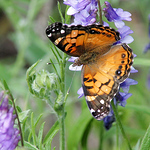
101 79
77 40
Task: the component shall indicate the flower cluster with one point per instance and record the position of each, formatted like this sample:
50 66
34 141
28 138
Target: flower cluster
9 136
113 15
84 11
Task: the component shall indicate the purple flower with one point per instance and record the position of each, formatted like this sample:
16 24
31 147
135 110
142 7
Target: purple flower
116 15
124 33
109 119
122 97
80 92
147 47
84 11
126 84
9 136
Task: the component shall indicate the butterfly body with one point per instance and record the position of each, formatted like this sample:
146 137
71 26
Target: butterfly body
105 65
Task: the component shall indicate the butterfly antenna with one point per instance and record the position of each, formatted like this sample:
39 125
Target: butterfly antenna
49 63
100 12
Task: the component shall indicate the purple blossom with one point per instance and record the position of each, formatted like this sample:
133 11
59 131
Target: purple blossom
126 84
84 11
122 97
80 92
9 136
109 119
116 15
147 47
124 33
133 70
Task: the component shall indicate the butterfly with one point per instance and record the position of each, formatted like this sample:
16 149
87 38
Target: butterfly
105 64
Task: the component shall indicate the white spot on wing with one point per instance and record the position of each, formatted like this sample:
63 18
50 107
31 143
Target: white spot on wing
62 31
98 110
49 35
102 101
92 110
58 40
53 30
90 98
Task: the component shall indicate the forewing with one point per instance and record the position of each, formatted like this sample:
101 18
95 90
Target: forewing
76 40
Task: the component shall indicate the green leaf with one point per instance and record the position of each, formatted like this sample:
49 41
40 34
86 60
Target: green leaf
33 129
146 140
78 129
60 13
52 132
40 135
30 146
137 146
87 130
38 119
23 115
30 75
143 109
67 17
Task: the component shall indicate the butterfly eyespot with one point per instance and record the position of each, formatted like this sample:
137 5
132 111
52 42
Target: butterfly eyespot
118 72
123 55
122 61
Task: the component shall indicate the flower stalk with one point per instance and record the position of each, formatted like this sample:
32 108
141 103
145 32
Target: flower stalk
120 124
100 12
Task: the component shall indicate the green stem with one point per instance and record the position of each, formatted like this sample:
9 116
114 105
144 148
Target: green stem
62 130
100 12
14 106
101 135
117 135
120 124
62 112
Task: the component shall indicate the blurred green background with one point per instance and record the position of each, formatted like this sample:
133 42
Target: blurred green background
23 41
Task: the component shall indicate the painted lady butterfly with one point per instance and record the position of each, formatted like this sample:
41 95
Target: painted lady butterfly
105 65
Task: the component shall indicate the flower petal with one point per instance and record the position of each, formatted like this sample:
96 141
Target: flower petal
72 11
80 92
75 68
